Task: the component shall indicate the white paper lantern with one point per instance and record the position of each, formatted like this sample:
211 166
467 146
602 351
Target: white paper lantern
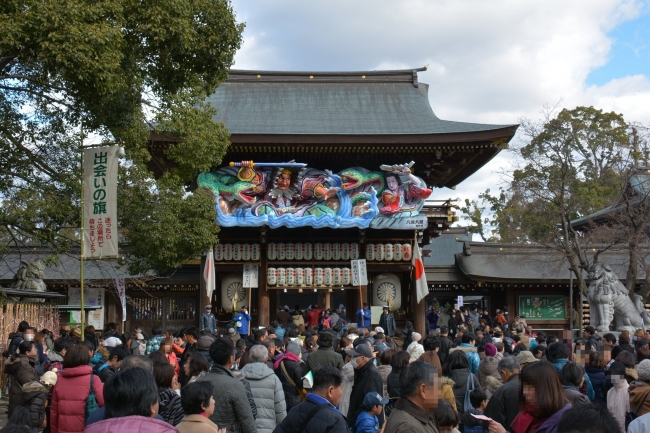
282 276
246 252
290 251
387 289
255 252
236 252
218 253
397 252
309 250
318 251
388 252
227 252
406 252
336 251
282 251
299 251
272 251
271 276
309 276
370 252
354 251
336 276
345 251
327 278
300 276
291 276
327 251
347 276
379 252
318 276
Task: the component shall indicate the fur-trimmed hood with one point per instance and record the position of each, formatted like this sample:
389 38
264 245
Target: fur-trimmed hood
464 349
444 380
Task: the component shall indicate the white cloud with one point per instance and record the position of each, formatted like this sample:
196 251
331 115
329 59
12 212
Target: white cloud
491 62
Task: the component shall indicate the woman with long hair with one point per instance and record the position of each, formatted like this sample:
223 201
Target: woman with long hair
196 366
456 367
542 400
169 401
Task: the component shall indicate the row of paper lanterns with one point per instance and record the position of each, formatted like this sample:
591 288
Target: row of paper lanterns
318 251
237 252
309 276
307 251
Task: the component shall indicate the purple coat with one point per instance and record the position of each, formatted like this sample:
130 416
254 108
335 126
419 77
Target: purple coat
550 425
131 424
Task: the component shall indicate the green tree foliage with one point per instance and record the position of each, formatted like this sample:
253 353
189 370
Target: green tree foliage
569 166
118 67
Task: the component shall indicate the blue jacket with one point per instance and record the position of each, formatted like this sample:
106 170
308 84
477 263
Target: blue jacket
598 382
366 423
244 319
363 318
559 363
472 356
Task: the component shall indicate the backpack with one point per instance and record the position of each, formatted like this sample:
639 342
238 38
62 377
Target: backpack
631 416
91 400
467 404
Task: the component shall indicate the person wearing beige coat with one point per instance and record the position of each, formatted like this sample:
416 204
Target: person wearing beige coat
198 405
197 424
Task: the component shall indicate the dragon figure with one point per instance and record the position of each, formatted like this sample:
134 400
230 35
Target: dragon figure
229 187
355 178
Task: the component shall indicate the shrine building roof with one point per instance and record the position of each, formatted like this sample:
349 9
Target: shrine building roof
331 103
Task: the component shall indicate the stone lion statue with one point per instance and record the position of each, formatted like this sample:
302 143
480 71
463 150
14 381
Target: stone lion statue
30 277
609 301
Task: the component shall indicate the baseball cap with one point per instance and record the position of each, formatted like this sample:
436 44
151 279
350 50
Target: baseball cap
372 399
361 350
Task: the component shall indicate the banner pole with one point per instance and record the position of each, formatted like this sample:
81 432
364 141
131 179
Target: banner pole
81 237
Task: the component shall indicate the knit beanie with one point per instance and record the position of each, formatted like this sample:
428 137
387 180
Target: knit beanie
416 337
643 370
490 350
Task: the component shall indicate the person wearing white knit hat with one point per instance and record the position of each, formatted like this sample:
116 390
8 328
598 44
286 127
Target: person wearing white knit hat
415 349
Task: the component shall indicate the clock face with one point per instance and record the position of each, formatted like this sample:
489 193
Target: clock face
386 291
236 288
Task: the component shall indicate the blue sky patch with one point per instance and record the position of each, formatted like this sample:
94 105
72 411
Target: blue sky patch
630 53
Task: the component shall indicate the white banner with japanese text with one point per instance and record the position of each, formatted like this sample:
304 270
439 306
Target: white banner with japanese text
100 201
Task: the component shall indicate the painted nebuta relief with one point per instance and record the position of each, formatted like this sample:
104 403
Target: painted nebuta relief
294 195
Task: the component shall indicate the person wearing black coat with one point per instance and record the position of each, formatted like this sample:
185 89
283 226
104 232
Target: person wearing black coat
296 370
366 379
503 406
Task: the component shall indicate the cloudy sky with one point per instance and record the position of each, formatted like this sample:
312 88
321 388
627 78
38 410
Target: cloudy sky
489 61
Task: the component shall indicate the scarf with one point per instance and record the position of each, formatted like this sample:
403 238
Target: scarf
525 421
618 402
287 355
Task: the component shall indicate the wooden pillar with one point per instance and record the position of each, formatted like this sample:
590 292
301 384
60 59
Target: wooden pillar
419 310
328 297
263 295
203 293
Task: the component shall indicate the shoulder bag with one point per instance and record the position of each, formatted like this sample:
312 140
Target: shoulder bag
467 404
303 391
91 400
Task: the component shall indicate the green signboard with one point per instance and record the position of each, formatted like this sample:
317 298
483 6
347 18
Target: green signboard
542 307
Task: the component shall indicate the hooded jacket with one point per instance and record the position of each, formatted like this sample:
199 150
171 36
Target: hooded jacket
638 390
415 349
447 391
68 412
598 383
268 394
574 395
231 409
22 367
54 360
560 362
472 356
488 368
104 370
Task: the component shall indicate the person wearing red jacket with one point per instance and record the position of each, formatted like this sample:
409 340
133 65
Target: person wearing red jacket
313 316
68 412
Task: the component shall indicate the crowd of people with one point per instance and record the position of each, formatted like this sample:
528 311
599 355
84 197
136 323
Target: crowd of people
307 373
